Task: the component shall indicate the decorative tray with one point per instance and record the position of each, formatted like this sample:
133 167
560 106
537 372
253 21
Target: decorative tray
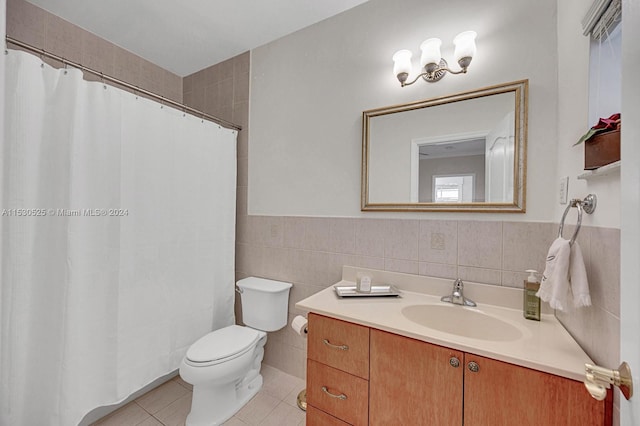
376 290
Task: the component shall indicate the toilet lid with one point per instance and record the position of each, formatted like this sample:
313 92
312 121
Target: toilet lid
222 343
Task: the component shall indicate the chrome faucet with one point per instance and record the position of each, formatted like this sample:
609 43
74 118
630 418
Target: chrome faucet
457 295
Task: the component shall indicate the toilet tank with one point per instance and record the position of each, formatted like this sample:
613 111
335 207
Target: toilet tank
265 303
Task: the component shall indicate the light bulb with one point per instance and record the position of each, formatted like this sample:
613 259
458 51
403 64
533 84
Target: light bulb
430 52
465 43
402 62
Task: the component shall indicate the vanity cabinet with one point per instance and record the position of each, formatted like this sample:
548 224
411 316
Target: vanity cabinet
411 382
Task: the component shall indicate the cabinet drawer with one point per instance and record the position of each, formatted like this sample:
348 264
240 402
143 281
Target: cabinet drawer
339 344
338 393
317 417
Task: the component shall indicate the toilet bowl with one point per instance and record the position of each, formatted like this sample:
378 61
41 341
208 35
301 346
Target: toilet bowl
224 365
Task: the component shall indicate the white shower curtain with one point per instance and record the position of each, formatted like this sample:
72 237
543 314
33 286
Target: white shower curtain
118 228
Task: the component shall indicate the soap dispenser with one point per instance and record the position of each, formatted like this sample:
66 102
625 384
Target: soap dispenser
531 309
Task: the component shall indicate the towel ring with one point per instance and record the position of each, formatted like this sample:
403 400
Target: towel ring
588 205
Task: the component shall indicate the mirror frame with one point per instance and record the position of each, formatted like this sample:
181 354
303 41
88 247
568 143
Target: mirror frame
520 89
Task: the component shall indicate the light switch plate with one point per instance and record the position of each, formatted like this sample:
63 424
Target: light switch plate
564 189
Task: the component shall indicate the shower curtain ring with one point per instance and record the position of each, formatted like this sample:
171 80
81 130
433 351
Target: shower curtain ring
161 102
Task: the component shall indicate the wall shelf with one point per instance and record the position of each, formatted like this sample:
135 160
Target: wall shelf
601 171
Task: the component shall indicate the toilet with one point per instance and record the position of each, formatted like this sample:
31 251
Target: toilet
224 365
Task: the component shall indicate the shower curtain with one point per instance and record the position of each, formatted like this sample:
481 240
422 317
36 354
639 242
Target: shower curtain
117 250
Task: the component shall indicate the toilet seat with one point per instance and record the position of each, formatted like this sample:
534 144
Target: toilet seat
222 345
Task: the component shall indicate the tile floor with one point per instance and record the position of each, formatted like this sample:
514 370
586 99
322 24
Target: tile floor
169 404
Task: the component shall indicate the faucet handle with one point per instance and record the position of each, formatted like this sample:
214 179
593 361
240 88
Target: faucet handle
458 284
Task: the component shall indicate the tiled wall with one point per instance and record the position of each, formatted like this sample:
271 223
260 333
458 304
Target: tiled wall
39 28
597 328
310 252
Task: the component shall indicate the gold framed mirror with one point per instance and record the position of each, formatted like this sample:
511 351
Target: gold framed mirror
463 152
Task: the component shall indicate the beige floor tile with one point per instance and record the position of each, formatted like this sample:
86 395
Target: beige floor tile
292 397
280 385
170 404
151 421
176 413
283 415
182 383
160 397
257 409
269 373
129 415
234 421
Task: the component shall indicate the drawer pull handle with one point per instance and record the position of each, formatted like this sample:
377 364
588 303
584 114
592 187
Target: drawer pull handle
341 396
331 345
473 367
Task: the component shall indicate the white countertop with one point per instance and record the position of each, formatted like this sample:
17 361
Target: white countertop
544 345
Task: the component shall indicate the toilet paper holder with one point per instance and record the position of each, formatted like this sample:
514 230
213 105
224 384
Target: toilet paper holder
300 325
599 379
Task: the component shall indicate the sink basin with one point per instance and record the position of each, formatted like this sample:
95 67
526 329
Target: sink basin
462 321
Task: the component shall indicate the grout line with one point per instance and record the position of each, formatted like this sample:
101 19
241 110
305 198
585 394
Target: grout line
145 410
159 421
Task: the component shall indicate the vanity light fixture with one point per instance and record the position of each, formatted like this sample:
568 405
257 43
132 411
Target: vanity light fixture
431 62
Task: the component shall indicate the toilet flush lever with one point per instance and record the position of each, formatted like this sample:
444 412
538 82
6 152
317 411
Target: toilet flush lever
599 379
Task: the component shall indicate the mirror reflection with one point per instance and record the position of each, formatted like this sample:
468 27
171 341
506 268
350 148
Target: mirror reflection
462 152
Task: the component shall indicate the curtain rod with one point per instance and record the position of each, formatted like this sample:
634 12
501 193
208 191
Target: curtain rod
135 89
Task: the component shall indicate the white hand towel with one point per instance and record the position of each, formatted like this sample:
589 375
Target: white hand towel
554 287
564 281
578 278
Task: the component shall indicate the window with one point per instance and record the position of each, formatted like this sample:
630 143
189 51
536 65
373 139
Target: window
602 23
453 189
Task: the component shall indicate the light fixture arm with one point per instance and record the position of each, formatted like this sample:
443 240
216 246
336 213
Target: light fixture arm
437 74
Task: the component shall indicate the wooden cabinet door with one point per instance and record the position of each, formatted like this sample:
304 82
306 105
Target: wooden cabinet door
505 394
413 383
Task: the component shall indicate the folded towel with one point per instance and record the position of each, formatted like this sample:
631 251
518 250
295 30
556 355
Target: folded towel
554 287
565 277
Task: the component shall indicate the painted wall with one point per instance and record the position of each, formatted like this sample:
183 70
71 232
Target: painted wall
309 90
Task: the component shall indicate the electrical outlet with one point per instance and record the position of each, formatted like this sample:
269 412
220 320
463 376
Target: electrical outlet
564 189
